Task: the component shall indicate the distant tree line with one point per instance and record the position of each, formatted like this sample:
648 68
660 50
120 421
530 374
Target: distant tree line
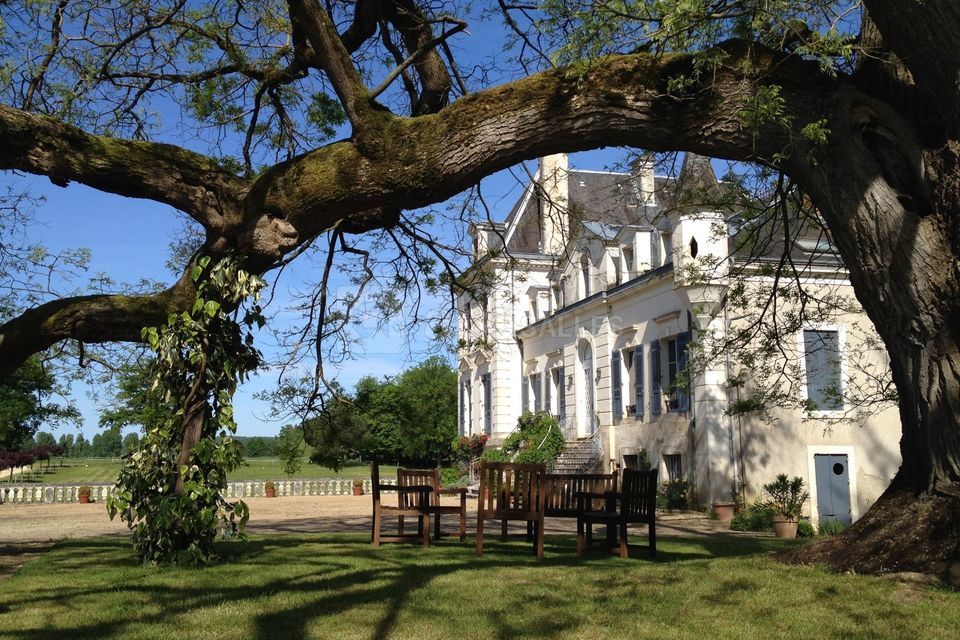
410 418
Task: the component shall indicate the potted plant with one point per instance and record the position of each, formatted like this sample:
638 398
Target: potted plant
83 494
723 511
786 500
270 489
358 487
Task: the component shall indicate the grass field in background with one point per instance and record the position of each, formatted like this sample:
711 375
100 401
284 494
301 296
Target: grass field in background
339 586
102 471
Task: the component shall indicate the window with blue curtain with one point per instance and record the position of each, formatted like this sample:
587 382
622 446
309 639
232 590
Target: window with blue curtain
616 386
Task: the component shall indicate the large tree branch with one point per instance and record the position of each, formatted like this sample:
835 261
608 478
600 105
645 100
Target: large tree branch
191 182
924 35
423 160
313 22
97 318
420 43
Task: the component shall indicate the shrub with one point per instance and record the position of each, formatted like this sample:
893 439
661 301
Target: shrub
84 490
805 529
537 439
673 495
357 482
452 477
269 486
786 496
831 527
755 517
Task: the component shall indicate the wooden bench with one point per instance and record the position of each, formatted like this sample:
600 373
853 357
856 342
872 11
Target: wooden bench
561 491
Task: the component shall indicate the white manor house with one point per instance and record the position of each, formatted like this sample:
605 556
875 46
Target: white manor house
589 300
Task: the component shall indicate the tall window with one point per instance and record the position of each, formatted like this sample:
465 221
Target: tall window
638 381
674 466
536 388
655 379
824 377
616 387
487 404
468 318
486 319
627 263
561 394
655 250
463 407
678 398
557 297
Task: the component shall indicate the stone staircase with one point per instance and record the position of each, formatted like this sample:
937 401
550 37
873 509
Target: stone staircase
579 456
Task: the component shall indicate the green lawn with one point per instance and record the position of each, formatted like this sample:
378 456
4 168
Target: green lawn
98 470
338 586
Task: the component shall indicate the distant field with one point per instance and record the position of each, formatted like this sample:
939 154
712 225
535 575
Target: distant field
101 471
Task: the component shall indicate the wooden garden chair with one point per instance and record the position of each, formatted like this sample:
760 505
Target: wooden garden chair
431 477
418 499
637 502
511 491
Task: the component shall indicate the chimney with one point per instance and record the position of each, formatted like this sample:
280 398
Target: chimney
555 221
642 169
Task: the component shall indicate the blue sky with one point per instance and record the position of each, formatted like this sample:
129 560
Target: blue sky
129 239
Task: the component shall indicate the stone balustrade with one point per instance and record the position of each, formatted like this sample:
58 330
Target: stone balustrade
22 494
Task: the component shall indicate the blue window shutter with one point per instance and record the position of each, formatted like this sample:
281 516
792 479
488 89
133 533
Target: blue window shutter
638 374
617 394
655 408
683 393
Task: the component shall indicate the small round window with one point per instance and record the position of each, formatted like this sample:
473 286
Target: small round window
838 469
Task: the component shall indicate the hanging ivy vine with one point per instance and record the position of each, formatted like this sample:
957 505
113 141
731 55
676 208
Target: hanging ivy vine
170 490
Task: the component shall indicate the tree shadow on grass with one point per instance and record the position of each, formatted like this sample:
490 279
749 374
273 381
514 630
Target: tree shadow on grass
322 576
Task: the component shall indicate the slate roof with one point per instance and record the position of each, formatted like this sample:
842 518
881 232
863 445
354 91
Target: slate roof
604 202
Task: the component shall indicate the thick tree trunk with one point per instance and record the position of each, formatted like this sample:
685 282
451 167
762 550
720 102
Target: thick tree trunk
891 203
194 418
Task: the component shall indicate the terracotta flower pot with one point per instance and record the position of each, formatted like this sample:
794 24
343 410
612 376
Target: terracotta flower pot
271 493
785 527
83 498
357 491
724 511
